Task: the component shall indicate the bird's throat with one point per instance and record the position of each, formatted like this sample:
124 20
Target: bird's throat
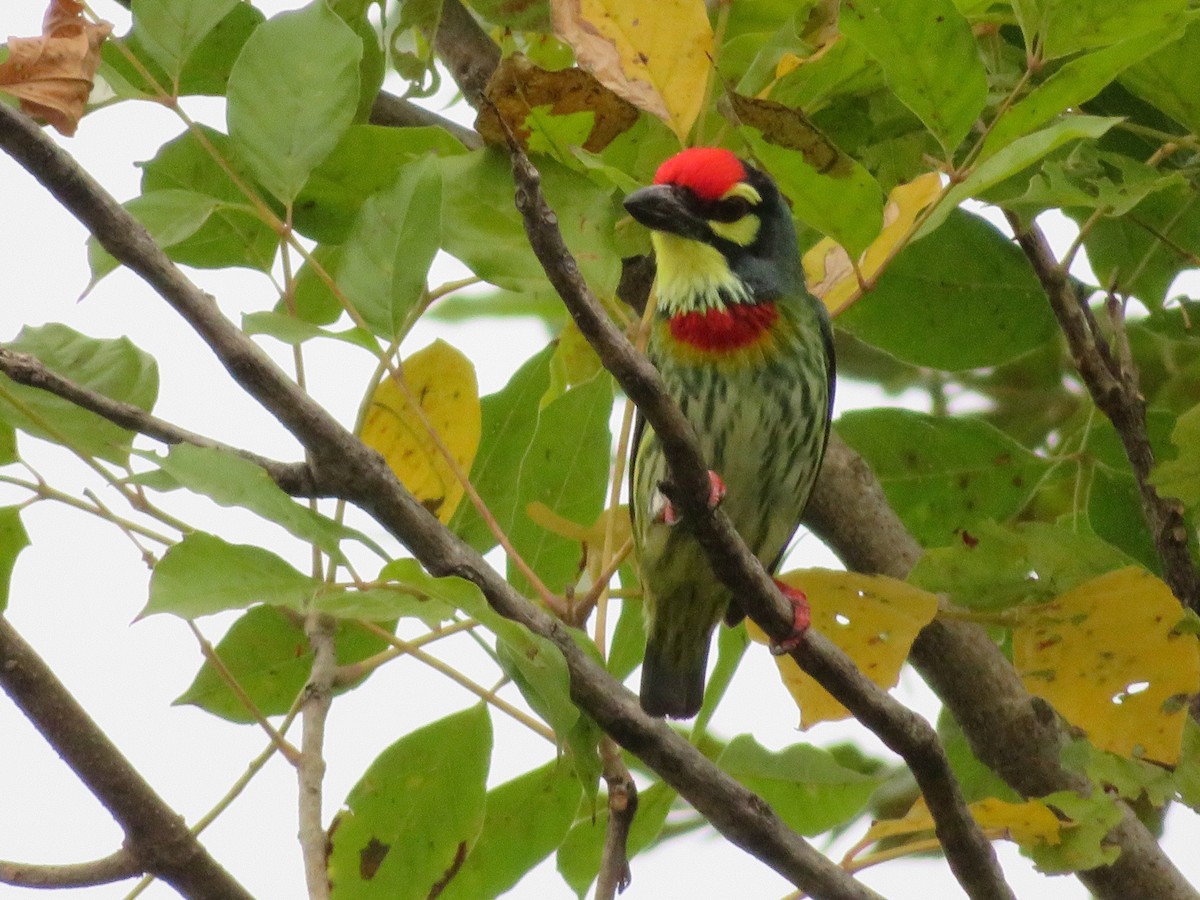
739 326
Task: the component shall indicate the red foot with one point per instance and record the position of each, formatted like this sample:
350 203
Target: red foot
666 512
801 618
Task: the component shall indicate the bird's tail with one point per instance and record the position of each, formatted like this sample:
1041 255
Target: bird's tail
671 687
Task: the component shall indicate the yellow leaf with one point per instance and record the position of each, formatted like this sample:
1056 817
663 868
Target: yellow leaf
827 267
1105 656
1028 823
655 55
873 618
442 381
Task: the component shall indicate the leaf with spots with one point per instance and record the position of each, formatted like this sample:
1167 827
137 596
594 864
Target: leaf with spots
654 55
873 618
1108 657
416 812
943 475
441 381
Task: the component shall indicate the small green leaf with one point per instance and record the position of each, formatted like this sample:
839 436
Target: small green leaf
943 475
114 368
527 818
1076 82
294 331
365 162
288 103
267 652
1164 78
1180 477
171 29
805 785
1062 27
1014 157
731 648
404 590
230 480
386 257
1083 843
203 574
996 567
962 298
416 812
13 539
929 58
170 216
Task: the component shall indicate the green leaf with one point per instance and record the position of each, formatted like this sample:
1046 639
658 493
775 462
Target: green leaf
170 216
233 235
1074 83
315 302
1165 81
1180 477
996 567
288 103
527 818
977 781
731 647
206 70
805 785
267 652
963 298
203 574
406 590
1061 27
13 539
580 854
847 206
387 255
929 58
115 368
564 467
943 475
365 162
171 29
294 331
1187 773
1013 158
628 645
1083 844
481 226
1136 253
230 480
415 813
509 421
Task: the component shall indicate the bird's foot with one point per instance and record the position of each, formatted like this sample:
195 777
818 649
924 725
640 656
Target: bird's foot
801 619
663 510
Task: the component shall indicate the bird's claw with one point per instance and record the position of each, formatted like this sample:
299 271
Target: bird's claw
663 511
801 619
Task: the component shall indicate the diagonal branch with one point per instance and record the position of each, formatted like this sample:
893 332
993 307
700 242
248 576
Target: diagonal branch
155 834
968 852
24 368
1113 385
1013 733
344 467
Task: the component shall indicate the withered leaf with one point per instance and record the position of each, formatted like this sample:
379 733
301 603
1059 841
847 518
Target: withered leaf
518 87
786 127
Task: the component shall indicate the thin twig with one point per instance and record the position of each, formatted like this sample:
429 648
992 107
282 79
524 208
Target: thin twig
614 875
310 773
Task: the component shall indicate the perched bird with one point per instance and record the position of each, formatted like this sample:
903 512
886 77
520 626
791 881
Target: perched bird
747 353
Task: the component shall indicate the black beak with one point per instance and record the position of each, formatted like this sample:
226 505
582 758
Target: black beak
664 207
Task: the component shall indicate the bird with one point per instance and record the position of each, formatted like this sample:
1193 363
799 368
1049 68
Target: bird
747 353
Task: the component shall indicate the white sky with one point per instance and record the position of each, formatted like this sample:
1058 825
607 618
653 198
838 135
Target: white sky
78 587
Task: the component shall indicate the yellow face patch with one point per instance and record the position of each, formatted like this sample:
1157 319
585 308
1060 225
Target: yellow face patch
742 232
692 275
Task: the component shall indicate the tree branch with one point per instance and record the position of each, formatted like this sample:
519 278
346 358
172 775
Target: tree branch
968 852
1013 733
155 835
344 467
396 112
1114 389
118 866
318 698
24 368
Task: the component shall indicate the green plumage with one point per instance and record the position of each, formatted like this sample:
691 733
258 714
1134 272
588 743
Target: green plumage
760 410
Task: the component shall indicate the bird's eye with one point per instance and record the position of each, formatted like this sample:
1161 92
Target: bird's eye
731 209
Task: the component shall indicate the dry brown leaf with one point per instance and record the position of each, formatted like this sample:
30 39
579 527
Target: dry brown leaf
786 127
518 87
52 75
